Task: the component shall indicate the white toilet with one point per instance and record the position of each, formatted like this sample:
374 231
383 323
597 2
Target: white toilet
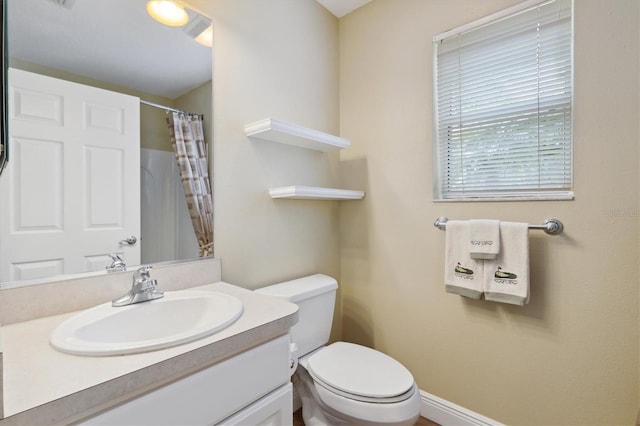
342 383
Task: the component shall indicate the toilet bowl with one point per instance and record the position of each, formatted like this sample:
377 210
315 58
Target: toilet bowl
342 383
355 384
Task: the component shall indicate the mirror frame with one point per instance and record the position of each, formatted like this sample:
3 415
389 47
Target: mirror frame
4 143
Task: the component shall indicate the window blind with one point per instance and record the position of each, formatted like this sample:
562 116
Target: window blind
503 107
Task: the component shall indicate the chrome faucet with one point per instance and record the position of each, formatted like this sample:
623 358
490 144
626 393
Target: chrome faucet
143 289
117 264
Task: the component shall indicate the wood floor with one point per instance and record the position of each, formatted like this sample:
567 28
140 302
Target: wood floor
297 420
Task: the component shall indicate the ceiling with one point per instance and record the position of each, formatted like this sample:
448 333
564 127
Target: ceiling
108 40
342 7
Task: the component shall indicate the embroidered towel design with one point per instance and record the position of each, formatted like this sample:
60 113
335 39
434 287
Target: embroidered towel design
506 279
484 238
463 275
500 274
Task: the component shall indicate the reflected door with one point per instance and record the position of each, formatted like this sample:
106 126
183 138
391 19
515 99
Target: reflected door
70 195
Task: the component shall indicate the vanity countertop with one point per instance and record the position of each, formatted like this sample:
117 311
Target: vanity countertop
44 386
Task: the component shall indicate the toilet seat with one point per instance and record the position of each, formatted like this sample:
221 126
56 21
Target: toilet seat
356 385
360 373
359 412
361 398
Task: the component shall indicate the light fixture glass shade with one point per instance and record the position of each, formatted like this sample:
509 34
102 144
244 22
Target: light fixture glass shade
167 12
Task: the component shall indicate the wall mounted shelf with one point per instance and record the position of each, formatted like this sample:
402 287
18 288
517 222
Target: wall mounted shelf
315 193
274 130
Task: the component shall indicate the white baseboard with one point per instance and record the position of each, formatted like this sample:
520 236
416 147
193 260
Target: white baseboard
438 410
447 413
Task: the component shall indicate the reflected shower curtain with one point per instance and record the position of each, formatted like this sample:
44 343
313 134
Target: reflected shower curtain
187 139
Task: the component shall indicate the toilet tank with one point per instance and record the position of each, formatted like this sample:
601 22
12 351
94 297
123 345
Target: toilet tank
315 296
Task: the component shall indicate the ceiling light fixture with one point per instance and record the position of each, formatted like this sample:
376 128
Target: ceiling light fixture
168 12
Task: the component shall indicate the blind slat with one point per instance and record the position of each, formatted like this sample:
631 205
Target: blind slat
503 107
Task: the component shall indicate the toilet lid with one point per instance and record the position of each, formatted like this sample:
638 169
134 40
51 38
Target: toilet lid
360 371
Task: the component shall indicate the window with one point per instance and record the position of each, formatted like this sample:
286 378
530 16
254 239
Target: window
503 106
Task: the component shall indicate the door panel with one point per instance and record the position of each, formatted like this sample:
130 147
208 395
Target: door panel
105 188
37 204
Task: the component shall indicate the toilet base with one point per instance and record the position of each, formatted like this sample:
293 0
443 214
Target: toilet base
316 413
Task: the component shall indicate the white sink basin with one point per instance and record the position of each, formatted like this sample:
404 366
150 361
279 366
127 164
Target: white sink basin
179 317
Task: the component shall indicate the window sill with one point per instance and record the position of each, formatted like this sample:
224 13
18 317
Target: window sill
558 196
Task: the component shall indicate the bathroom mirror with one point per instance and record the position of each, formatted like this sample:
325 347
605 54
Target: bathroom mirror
116 46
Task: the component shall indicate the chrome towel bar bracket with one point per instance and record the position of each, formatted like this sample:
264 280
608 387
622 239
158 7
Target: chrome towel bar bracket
550 226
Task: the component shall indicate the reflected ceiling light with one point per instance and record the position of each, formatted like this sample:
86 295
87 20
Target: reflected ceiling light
167 12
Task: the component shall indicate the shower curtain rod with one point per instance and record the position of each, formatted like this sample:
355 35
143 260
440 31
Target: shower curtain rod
166 108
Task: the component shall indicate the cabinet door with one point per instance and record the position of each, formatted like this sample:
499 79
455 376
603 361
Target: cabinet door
211 395
275 409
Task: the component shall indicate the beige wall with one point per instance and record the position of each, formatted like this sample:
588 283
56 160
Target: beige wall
276 58
153 127
571 355
154 133
199 101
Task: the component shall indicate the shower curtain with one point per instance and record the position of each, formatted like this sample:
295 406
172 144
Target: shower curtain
187 139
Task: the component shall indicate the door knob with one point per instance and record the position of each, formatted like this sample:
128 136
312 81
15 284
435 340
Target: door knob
132 240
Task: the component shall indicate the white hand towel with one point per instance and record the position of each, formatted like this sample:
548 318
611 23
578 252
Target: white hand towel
506 279
484 238
462 275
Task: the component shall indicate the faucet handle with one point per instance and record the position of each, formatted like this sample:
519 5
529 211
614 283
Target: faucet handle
143 289
142 272
117 264
142 282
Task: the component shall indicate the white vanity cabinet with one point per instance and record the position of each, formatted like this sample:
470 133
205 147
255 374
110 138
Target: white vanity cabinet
252 387
239 375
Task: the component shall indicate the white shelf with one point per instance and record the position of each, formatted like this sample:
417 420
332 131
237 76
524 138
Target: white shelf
274 130
315 193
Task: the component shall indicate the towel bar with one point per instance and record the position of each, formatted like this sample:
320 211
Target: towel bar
550 226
